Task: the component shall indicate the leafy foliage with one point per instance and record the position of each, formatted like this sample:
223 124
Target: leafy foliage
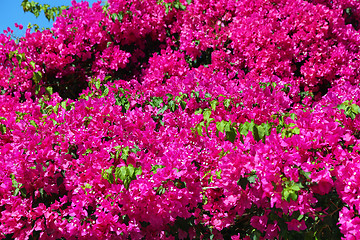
35 8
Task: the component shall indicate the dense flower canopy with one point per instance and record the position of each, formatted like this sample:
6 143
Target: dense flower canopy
195 119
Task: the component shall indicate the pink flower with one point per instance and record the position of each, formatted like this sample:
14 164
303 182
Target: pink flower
323 181
235 237
19 26
296 225
272 231
182 234
259 222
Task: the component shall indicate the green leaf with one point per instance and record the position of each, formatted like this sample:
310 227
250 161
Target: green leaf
252 178
199 128
213 104
179 5
127 174
37 77
19 57
12 53
286 195
117 16
296 130
63 104
170 96
122 101
231 134
120 16
220 126
108 174
207 125
305 174
123 173
350 110
97 84
2 128
23 192
290 125
138 171
154 168
156 102
131 170
355 108
15 184
293 116
246 127
37 88
348 11
195 94
207 114
288 132
227 126
198 111
117 173
267 128
343 106
243 130
105 92
32 63
172 106
16 191
135 149
218 174
125 153
256 133
33 123
183 104
261 131
87 186
293 196
49 90
226 103
242 182
290 191
162 110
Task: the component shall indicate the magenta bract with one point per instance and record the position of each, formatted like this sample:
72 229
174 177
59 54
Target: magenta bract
194 119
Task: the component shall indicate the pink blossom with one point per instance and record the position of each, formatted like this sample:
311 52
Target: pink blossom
170 119
296 225
259 222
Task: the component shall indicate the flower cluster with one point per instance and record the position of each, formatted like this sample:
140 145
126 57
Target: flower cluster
174 119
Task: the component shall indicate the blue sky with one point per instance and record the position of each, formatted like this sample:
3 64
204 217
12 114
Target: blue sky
11 12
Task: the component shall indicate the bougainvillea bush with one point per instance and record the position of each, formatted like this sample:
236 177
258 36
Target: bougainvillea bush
162 119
